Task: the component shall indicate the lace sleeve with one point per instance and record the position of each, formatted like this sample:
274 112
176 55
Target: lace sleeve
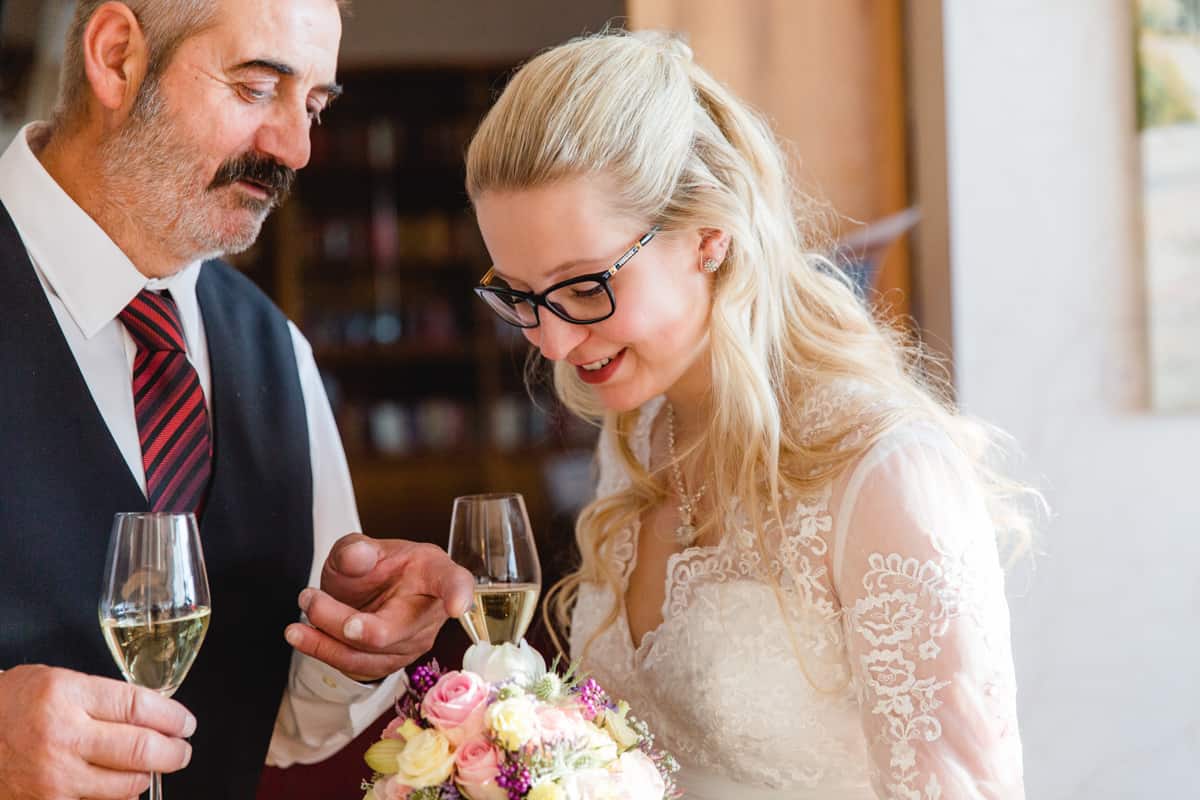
926 625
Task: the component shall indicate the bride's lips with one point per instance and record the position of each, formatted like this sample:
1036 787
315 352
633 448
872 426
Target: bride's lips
595 376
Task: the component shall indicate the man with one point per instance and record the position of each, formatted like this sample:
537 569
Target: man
141 375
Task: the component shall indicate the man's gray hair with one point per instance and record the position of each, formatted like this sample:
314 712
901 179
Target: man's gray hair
165 25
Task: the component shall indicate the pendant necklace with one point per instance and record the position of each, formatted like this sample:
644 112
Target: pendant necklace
688 503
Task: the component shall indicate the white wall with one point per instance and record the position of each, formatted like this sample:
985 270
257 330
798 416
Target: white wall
1049 337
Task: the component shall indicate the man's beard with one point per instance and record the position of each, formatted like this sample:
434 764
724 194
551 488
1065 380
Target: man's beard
156 179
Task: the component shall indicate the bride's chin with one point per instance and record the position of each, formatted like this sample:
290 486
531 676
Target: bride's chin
618 401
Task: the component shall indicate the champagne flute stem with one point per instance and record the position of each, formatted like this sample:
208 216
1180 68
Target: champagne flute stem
156 786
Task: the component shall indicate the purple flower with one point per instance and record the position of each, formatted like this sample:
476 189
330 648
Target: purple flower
425 676
516 778
593 698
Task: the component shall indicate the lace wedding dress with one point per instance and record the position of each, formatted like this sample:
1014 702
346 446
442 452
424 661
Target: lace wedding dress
868 657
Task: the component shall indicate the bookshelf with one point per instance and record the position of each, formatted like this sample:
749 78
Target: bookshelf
374 257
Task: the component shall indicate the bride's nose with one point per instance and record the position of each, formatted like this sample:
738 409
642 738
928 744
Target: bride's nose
555 337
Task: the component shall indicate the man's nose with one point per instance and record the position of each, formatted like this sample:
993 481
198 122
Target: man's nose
286 137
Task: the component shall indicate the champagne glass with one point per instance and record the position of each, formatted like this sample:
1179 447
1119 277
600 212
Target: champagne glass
491 538
154 607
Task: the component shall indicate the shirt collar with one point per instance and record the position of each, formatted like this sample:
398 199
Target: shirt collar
91 275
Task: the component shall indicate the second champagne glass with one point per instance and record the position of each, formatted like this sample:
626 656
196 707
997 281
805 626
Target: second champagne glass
155 607
490 537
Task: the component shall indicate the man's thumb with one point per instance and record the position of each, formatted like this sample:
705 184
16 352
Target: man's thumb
353 556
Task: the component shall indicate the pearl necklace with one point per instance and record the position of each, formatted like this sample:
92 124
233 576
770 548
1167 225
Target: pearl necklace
688 503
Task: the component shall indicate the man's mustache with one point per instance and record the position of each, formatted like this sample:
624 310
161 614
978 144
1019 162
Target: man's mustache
266 172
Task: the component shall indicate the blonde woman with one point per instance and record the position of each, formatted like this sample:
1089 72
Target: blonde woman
790 568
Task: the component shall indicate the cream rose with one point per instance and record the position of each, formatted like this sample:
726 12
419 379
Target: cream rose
426 760
546 790
513 721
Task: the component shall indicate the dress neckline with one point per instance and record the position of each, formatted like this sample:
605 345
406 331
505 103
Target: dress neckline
640 445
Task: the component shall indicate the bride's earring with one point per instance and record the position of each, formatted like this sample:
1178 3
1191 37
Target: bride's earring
711 265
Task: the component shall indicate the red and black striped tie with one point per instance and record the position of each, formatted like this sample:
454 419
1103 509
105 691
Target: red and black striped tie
172 418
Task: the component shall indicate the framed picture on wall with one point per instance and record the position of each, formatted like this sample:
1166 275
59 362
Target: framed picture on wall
1168 77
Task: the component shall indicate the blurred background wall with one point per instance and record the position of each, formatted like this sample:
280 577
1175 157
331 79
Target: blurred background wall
1049 334
1010 125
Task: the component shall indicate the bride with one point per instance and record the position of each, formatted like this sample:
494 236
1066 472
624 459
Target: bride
790 568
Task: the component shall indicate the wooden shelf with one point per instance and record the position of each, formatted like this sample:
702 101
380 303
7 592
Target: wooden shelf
462 458
359 244
406 271
373 355
414 188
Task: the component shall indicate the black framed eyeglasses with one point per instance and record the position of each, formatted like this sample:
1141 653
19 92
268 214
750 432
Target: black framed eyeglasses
582 300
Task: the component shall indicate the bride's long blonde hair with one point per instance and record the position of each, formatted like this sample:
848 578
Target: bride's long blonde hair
683 153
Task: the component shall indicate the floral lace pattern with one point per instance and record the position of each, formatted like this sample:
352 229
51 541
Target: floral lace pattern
849 661
902 616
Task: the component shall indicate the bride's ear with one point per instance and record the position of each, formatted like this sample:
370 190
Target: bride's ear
714 246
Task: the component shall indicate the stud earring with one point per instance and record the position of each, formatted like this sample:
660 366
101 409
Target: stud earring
711 265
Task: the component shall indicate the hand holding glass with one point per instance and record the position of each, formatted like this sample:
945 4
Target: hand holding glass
491 538
154 607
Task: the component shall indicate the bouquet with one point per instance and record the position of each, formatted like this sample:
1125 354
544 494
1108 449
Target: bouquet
506 728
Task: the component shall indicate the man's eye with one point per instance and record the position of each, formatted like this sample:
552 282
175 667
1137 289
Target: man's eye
253 94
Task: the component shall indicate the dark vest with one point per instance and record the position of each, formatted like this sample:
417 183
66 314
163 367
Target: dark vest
62 478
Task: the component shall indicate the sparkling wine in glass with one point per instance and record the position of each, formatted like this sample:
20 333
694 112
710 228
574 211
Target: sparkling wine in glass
491 538
154 606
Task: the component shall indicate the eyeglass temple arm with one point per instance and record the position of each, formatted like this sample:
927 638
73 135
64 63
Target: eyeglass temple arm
631 252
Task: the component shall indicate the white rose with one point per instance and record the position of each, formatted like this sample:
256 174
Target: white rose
496 663
638 777
599 746
591 784
617 726
513 722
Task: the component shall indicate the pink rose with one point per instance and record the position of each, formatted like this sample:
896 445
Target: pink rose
391 789
478 765
455 706
559 723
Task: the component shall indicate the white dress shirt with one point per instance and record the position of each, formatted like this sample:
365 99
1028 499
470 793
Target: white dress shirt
88 281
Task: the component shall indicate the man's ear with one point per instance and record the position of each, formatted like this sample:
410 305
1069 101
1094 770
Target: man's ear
115 57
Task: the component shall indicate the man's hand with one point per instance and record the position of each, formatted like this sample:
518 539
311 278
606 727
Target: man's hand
380 605
66 735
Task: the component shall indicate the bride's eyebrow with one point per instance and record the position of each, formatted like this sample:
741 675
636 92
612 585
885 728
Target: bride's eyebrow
560 269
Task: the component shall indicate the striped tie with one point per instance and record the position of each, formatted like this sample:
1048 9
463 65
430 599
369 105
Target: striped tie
172 419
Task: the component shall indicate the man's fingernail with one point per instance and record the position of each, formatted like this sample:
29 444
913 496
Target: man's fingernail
293 637
361 549
189 727
305 600
353 629
187 757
